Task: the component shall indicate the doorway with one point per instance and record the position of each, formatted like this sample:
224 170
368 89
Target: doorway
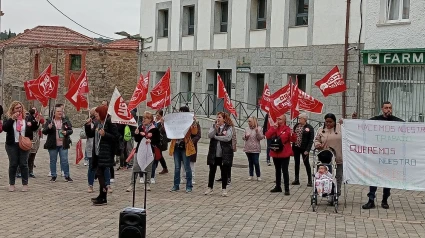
226 76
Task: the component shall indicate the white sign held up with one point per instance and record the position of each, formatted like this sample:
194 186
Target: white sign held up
384 154
177 124
144 154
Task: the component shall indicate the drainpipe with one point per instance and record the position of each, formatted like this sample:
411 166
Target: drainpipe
347 31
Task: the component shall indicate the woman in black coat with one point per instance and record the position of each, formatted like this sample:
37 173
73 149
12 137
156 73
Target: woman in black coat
302 147
105 136
16 125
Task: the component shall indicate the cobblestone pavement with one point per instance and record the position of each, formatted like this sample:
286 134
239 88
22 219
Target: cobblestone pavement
64 209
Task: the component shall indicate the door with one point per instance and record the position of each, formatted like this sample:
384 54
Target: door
226 76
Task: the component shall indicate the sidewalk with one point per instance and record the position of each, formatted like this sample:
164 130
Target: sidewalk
64 209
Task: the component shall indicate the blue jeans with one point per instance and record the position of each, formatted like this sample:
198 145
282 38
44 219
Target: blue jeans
253 160
268 150
91 175
154 166
63 155
86 159
179 156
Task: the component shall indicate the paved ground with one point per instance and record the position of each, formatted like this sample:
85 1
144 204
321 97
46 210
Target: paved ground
64 210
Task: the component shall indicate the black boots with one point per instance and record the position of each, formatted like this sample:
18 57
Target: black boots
369 205
101 199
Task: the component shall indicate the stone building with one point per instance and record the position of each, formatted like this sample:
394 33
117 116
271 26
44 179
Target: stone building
394 58
108 65
250 43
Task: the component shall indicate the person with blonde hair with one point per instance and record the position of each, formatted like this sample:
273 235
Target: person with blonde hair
252 137
17 125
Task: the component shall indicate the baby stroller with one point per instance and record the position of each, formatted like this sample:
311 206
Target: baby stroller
325 158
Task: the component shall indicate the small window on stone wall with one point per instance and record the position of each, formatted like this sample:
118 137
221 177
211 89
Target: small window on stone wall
75 62
301 80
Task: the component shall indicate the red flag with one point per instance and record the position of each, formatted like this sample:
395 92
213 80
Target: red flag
265 98
28 93
77 93
159 101
139 94
163 84
294 100
332 83
44 87
72 81
130 156
222 93
79 152
308 103
280 102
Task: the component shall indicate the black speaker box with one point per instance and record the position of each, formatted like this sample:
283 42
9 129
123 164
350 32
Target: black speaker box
132 223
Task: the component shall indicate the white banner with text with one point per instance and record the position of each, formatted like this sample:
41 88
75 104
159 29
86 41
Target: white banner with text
384 154
177 124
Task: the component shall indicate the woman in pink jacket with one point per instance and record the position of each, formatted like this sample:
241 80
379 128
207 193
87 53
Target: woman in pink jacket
281 157
253 136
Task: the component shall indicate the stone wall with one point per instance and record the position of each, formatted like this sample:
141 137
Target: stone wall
275 63
105 69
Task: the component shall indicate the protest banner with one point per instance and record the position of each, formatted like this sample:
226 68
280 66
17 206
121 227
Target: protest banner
177 124
144 154
384 154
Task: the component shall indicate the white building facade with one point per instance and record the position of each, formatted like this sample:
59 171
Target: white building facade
251 43
394 56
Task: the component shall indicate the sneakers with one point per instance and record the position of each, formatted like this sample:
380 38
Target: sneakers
62 174
109 188
148 187
188 190
384 205
174 189
296 182
53 179
85 163
11 188
259 179
249 178
112 180
209 191
276 190
129 189
69 179
50 174
90 189
224 193
142 180
218 180
193 181
152 180
269 164
164 171
32 175
369 205
25 188
19 175
100 202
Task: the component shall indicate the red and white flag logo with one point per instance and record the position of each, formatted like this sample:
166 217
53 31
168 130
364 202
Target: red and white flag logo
332 83
119 111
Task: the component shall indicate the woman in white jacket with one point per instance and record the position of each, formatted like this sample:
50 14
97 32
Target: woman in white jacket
253 136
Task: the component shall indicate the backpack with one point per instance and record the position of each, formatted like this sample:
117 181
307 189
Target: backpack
127 133
234 139
163 142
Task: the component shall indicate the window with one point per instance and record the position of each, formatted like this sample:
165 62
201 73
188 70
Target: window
260 86
301 80
302 13
75 62
163 23
398 10
188 20
158 77
261 14
186 86
224 10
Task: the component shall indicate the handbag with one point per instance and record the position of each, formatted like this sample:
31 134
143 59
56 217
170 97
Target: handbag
24 143
276 143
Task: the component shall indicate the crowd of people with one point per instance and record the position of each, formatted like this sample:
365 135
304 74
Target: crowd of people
109 144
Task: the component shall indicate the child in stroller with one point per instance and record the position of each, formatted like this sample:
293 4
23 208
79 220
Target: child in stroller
323 180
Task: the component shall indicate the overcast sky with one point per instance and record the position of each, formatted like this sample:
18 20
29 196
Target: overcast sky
102 16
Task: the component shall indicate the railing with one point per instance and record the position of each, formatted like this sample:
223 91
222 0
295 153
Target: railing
209 105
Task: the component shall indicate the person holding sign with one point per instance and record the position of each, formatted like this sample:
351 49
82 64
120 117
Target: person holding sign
220 152
387 110
331 137
181 150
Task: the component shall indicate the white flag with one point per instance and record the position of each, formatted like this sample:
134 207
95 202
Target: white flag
119 111
144 154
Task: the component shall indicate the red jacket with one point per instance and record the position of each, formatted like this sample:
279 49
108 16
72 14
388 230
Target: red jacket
285 135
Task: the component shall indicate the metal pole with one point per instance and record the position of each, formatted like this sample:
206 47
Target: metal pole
347 30
139 71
